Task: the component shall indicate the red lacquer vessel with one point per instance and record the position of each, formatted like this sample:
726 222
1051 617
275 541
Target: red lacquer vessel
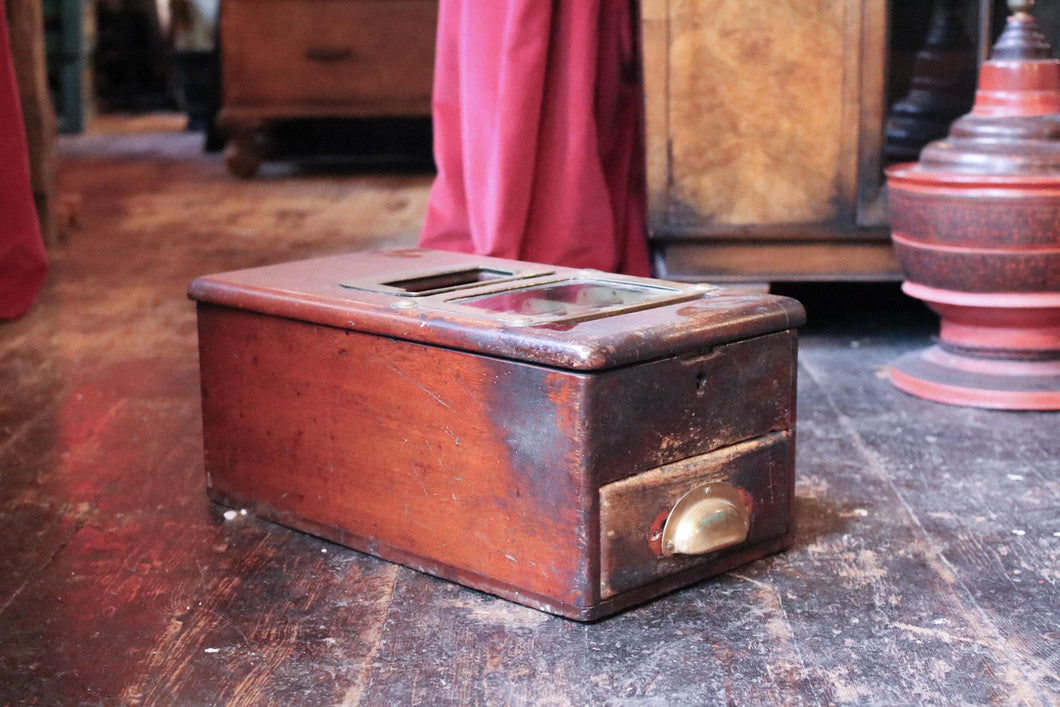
976 225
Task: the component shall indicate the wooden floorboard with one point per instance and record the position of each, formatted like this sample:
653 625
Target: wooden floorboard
925 567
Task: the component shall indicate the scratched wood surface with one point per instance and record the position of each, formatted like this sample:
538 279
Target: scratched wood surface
924 570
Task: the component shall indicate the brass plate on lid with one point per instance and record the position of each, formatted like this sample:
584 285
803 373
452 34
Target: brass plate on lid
526 297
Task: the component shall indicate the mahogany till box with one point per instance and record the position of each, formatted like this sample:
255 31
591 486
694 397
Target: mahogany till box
572 440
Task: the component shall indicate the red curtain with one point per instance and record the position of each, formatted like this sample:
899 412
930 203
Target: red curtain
538 130
23 262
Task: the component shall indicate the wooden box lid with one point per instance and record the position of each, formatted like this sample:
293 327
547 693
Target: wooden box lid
554 316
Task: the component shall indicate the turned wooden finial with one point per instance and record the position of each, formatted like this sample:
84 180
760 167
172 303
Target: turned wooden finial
1021 40
1012 129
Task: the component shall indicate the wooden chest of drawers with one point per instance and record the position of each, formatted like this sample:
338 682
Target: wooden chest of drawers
285 59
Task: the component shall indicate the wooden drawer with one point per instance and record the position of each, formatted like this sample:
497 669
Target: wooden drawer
756 475
375 56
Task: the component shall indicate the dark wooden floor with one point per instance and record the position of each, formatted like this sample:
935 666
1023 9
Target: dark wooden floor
925 570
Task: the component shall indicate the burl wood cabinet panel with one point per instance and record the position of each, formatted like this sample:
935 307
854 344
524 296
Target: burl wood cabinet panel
764 124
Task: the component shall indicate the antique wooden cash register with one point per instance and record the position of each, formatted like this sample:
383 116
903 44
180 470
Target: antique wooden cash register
572 440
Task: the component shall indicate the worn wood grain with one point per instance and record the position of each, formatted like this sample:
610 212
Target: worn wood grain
923 571
391 456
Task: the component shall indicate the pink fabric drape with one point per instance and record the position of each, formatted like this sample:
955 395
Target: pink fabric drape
538 130
23 262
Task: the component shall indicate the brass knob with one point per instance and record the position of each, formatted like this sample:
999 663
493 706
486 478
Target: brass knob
707 518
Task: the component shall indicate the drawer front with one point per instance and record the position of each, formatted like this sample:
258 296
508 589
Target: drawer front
323 52
638 516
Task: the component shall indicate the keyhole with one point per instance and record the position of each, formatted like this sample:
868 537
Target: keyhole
701 384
